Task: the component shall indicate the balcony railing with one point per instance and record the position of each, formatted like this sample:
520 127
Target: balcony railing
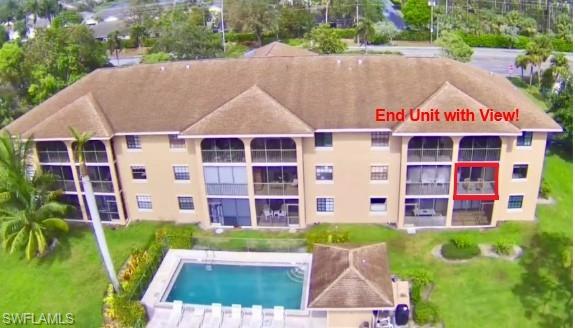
224 156
96 156
276 188
429 155
231 189
476 187
425 221
277 221
274 155
53 156
424 188
66 185
103 186
479 154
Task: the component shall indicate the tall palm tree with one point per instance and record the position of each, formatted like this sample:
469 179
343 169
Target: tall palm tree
365 31
81 138
522 61
30 215
560 66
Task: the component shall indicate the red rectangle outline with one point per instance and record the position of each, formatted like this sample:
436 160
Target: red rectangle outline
493 165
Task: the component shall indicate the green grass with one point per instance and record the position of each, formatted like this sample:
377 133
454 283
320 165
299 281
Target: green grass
531 91
479 293
72 279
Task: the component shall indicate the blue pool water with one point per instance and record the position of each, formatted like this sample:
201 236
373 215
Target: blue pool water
246 285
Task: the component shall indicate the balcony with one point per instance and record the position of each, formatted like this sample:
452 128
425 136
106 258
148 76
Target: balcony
479 154
96 157
103 186
423 188
276 188
425 221
227 189
277 212
467 187
223 156
429 155
53 156
274 156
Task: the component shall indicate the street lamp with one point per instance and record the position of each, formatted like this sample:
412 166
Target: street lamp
432 4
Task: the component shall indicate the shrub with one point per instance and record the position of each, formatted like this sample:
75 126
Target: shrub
408 35
332 236
176 236
452 251
503 247
156 57
562 45
240 37
425 313
420 277
120 311
461 241
544 189
344 33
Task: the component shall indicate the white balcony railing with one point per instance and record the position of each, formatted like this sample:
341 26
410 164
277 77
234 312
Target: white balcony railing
423 188
476 187
224 156
227 189
479 154
276 188
53 156
429 155
274 155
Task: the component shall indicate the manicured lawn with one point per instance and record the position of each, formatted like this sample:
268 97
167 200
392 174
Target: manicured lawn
480 293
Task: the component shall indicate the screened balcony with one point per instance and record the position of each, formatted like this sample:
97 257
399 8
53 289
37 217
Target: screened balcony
64 180
479 149
428 179
226 180
223 150
472 213
476 181
425 212
273 150
101 179
52 152
94 152
429 149
277 212
275 180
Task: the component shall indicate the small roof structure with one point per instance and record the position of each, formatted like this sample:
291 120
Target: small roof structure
350 278
278 49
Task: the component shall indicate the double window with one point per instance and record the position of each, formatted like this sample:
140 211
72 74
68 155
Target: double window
519 171
379 173
380 139
325 205
139 172
144 202
515 202
525 139
324 173
185 203
323 139
181 173
133 142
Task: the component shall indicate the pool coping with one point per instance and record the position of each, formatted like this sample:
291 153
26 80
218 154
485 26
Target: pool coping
167 273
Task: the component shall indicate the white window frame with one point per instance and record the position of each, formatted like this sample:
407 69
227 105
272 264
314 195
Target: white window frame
519 179
324 213
380 147
372 212
324 148
132 166
523 146
144 209
186 210
378 181
174 173
139 142
324 181
515 210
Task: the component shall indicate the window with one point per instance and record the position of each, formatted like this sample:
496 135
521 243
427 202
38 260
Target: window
323 139
378 204
181 173
324 173
379 172
133 142
515 202
325 205
139 173
525 139
185 203
176 143
144 202
520 171
380 139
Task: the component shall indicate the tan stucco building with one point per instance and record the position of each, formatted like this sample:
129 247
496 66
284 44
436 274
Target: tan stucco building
289 140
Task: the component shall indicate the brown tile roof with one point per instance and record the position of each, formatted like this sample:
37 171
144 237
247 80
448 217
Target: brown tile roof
344 277
251 112
278 49
448 99
325 92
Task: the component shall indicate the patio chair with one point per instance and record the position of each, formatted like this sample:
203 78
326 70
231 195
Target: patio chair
214 320
257 318
175 314
196 319
235 318
278 320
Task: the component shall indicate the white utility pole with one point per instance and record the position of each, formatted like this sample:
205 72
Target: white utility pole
432 4
223 27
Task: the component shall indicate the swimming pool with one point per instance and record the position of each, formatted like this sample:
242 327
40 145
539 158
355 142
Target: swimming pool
247 285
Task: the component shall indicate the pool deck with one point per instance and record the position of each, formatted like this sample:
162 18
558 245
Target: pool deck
159 310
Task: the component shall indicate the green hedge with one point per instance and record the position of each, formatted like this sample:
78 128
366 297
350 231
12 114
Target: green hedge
562 45
345 33
425 313
453 251
240 37
503 41
407 35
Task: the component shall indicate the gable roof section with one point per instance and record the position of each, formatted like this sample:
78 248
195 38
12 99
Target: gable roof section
252 112
350 277
84 114
447 99
278 49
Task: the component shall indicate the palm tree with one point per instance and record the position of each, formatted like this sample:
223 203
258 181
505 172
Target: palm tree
560 66
522 61
364 31
81 138
115 45
30 215
539 50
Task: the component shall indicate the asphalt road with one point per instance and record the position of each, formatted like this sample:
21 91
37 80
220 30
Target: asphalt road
393 15
496 60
